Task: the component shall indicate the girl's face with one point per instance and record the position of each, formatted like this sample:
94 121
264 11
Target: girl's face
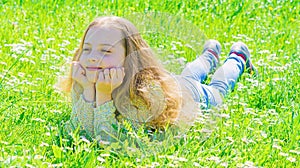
103 48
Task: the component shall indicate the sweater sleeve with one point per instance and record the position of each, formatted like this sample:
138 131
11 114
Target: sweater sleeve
82 114
104 122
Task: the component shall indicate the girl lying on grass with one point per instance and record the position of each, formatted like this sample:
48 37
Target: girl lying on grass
116 77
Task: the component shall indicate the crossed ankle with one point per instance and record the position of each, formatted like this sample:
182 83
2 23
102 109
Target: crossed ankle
240 55
214 54
246 63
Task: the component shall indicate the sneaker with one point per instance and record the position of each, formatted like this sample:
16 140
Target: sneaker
240 49
213 47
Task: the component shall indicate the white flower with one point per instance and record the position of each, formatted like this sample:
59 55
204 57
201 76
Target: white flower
3 63
44 144
181 60
56 165
230 139
155 164
214 158
291 159
50 39
196 164
181 159
100 159
224 164
223 115
38 119
295 151
38 157
4 142
249 164
29 165
283 154
263 134
277 147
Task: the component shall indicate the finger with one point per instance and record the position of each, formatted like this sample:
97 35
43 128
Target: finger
113 74
76 66
82 69
123 72
78 73
97 75
101 76
106 74
80 77
120 72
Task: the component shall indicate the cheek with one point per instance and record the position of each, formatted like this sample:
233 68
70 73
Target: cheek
115 60
121 61
122 58
82 58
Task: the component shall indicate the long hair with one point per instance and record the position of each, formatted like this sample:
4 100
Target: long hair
140 65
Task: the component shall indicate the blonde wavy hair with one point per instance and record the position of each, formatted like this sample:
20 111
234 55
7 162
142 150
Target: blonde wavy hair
143 73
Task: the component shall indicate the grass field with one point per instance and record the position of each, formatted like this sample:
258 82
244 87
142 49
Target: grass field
258 126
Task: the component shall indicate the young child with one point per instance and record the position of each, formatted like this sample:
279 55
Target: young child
116 77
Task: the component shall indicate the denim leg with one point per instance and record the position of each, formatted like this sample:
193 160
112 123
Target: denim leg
195 73
222 81
227 75
205 95
200 67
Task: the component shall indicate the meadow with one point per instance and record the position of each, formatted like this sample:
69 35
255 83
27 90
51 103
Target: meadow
258 125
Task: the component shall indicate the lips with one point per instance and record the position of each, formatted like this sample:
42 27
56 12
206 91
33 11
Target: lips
93 68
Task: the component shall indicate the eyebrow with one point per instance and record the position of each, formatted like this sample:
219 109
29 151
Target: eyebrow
101 44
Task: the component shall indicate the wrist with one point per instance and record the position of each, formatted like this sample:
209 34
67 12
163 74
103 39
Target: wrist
89 94
101 99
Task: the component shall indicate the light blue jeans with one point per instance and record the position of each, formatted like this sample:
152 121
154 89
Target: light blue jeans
223 80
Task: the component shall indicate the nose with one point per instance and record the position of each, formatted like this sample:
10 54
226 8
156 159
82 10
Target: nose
94 57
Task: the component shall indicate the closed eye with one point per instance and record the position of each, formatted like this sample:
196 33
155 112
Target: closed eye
106 51
86 49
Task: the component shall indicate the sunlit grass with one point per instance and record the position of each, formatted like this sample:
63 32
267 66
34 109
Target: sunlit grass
258 126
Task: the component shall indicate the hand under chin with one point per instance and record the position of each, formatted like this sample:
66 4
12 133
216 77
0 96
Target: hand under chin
92 76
